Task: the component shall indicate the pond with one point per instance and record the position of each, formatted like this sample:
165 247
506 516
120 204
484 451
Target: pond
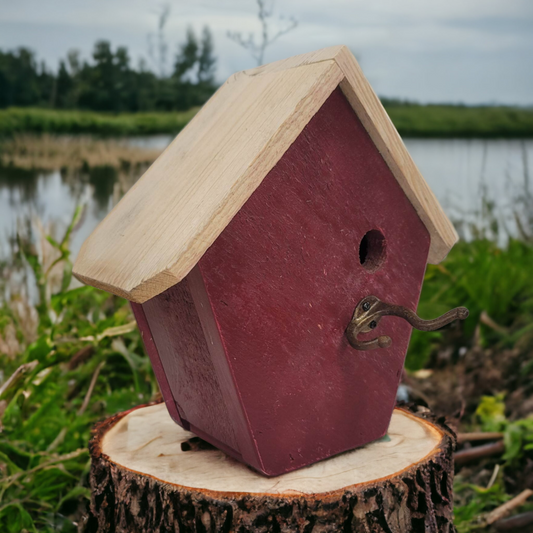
460 172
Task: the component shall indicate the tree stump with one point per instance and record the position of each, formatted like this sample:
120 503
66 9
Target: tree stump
150 475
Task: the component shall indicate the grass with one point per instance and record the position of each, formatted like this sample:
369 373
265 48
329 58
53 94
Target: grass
76 356
492 282
52 152
412 120
34 120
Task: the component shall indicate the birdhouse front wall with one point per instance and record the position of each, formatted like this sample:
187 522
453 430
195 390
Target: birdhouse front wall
250 347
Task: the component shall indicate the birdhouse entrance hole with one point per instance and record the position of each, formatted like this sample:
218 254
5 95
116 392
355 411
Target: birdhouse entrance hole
372 250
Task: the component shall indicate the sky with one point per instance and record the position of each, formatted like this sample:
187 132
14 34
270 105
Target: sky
460 51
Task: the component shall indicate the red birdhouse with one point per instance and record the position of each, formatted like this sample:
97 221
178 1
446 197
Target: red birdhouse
285 205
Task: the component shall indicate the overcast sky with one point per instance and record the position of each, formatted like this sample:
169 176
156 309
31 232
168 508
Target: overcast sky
471 51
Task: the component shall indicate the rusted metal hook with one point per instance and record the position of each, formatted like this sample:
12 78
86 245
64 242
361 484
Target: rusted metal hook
371 309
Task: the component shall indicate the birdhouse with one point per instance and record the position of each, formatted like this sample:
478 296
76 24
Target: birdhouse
274 255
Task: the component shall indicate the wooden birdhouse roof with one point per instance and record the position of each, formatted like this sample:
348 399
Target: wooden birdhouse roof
171 216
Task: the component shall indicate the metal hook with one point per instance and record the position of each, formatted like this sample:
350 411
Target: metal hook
371 309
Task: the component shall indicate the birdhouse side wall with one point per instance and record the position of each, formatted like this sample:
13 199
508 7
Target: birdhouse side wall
283 280
179 349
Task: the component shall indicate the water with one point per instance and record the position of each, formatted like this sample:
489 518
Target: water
455 169
461 171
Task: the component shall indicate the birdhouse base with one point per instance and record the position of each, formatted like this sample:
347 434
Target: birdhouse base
149 474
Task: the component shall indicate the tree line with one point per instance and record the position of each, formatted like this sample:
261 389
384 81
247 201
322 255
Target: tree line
109 82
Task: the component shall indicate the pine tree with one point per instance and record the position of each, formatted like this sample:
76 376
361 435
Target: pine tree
64 87
206 59
187 56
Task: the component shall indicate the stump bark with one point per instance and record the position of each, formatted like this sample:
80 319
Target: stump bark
150 475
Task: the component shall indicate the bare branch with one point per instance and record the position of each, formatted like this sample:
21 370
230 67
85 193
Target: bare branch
504 510
159 41
515 523
18 375
90 389
478 435
62 434
479 452
267 36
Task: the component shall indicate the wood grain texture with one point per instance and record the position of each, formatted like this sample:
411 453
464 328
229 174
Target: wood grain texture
142 480
166 222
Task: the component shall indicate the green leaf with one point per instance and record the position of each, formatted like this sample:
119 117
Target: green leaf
117 330
75 493
40 349
491 412
14 518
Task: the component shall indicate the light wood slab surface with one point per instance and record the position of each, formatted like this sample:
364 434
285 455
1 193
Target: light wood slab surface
147 441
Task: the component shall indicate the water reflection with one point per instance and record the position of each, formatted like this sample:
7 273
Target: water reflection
20 183
477 179
103 180
457 171
53 197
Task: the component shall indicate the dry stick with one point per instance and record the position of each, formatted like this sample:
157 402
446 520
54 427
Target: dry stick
514 523
81 356
503 510
488 321
418 393
61 435
19 373
18 475
494 476
479 435
479 452
90 389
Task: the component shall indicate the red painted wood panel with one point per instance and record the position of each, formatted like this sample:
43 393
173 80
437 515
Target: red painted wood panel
159 371
183 350
283 280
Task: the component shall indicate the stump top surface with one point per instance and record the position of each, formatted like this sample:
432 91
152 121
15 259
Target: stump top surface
147 441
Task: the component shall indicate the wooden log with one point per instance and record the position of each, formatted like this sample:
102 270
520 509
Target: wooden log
149 474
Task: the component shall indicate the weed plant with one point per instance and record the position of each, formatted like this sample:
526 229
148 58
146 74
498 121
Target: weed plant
411 120
35 120
71 152
76 357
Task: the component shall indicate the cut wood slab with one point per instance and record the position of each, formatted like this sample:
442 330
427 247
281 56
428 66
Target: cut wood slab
149 474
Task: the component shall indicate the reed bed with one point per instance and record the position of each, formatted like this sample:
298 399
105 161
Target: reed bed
52 152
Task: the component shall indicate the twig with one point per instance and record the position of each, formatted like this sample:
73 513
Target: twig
58 440
478 435
58 459
90 389
488 321
81 356
503 510
19 373
476 342
61 435
494 476
479 452
419 394
257 50
517 522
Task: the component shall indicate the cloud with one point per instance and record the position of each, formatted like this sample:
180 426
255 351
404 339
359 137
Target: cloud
457 50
